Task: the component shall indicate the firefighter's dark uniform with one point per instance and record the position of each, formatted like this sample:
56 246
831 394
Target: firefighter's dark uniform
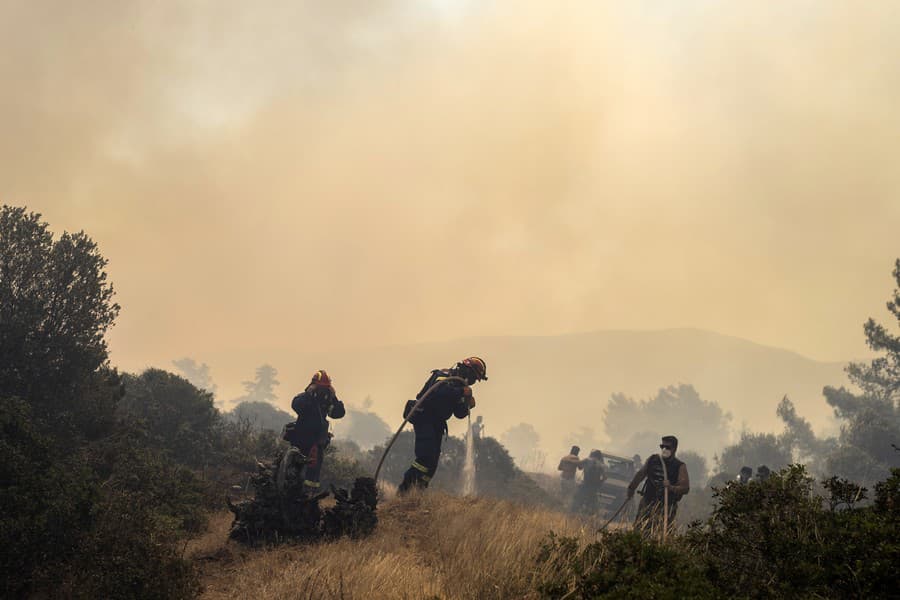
430 425
310 436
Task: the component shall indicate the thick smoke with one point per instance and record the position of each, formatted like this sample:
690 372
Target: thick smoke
310 175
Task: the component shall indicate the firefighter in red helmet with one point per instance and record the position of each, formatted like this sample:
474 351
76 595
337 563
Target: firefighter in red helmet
310 435
451 397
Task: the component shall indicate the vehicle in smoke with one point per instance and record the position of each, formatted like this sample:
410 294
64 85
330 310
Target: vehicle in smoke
619 473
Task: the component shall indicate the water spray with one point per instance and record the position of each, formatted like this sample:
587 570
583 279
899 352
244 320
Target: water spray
409 414
469 464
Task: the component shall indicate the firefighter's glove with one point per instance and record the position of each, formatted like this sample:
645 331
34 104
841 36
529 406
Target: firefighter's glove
468 397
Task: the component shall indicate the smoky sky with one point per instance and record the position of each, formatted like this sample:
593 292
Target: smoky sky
287 176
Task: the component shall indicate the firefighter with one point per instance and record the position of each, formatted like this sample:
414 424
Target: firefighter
310 434
588 493
745 475
763 473
450 397
675 481
567 466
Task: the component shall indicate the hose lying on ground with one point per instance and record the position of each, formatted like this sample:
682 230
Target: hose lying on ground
613 518
409 414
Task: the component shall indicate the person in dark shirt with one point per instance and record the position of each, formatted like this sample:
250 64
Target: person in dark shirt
587 496
674 479
310 434
452 396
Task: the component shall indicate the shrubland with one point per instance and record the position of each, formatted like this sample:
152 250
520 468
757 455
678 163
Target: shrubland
108 477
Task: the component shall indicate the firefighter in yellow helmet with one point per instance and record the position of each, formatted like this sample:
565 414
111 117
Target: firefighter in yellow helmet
451 397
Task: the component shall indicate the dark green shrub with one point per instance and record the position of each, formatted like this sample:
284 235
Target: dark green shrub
46 500
777 539
622 565
129 553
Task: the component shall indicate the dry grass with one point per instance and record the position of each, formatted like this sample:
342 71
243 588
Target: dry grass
426 546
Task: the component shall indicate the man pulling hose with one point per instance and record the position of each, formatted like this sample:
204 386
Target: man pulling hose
674 480
451 396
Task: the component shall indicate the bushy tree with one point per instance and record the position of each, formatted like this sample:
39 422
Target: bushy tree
362 426
63 528
779 539
262 387
771 539
800 438
56 306
261 414
197 374
241 444
697 466
700 425
521 440
753 450
177 418
871 419
621 565
585 438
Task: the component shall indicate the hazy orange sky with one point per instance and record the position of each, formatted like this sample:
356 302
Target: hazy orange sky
351 173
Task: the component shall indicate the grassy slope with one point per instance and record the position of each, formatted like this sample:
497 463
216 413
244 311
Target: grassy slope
426 545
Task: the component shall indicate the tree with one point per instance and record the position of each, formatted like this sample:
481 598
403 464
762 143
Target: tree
754 450
800 438
699 424
521 440
880 378
55 309
698 471
872 418
65 523
362 426
197 374
261 415
262 387
585 438
175 416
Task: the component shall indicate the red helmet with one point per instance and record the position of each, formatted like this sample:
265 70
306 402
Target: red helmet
477 366
321 378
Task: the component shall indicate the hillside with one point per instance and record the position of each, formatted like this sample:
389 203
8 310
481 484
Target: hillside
562 383
428 545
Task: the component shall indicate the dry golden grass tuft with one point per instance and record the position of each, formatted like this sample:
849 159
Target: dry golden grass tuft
427 545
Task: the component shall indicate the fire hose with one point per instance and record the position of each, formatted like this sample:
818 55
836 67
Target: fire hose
613 518
665 530
665 503
409 414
